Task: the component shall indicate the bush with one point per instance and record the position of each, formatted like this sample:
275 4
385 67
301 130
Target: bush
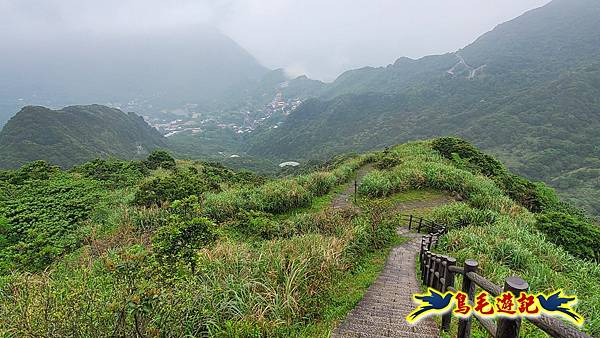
318 183
36 170
258 224
534 196
388 161
44 219
579 237
474 158
376 184
160 159
182 184
116 173
183 234
280 196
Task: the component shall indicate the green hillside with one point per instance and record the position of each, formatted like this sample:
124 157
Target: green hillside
74 135
129 248
528 91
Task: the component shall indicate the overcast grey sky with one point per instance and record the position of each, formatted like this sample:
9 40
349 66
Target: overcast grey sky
320 38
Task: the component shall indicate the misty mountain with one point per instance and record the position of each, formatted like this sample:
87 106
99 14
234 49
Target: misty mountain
141 72
528 91
256 94
74 135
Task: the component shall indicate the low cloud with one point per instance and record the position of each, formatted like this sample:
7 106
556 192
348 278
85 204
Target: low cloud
319 37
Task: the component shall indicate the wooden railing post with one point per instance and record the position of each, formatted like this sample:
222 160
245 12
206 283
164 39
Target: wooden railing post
424 259
427 266
431 272
422 251
509 327
438 273
448 282
468 287
437 237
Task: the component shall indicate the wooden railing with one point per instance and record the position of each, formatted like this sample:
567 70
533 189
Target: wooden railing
439 272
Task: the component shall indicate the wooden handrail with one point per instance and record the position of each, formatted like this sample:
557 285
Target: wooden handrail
439 271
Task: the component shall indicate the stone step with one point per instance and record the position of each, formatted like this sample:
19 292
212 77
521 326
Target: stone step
382 310
383 305
387 331
389 323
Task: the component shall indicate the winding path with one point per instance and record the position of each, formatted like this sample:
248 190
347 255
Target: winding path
344 199
387 302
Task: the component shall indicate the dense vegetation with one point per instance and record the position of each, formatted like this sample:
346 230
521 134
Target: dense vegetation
130 248
564 224
73 135
554 247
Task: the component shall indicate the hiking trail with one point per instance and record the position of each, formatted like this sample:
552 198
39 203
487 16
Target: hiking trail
383 309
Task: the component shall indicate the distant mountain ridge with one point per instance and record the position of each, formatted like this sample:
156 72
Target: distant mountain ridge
142 72
528 91
75 134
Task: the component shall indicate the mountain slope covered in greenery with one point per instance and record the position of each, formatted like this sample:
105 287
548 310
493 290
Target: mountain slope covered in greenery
130 247
528 91
74 135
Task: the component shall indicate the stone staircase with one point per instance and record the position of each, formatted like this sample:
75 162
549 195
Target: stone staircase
387 302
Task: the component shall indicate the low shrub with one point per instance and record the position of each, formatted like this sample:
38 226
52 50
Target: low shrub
280 196
376 184
183 234
579 237
388 160
318 183
36 170
473 158
160 159
179 185
258 224
114 172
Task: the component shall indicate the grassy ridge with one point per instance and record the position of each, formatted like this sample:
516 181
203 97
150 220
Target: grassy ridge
504 236
259 262
193 248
